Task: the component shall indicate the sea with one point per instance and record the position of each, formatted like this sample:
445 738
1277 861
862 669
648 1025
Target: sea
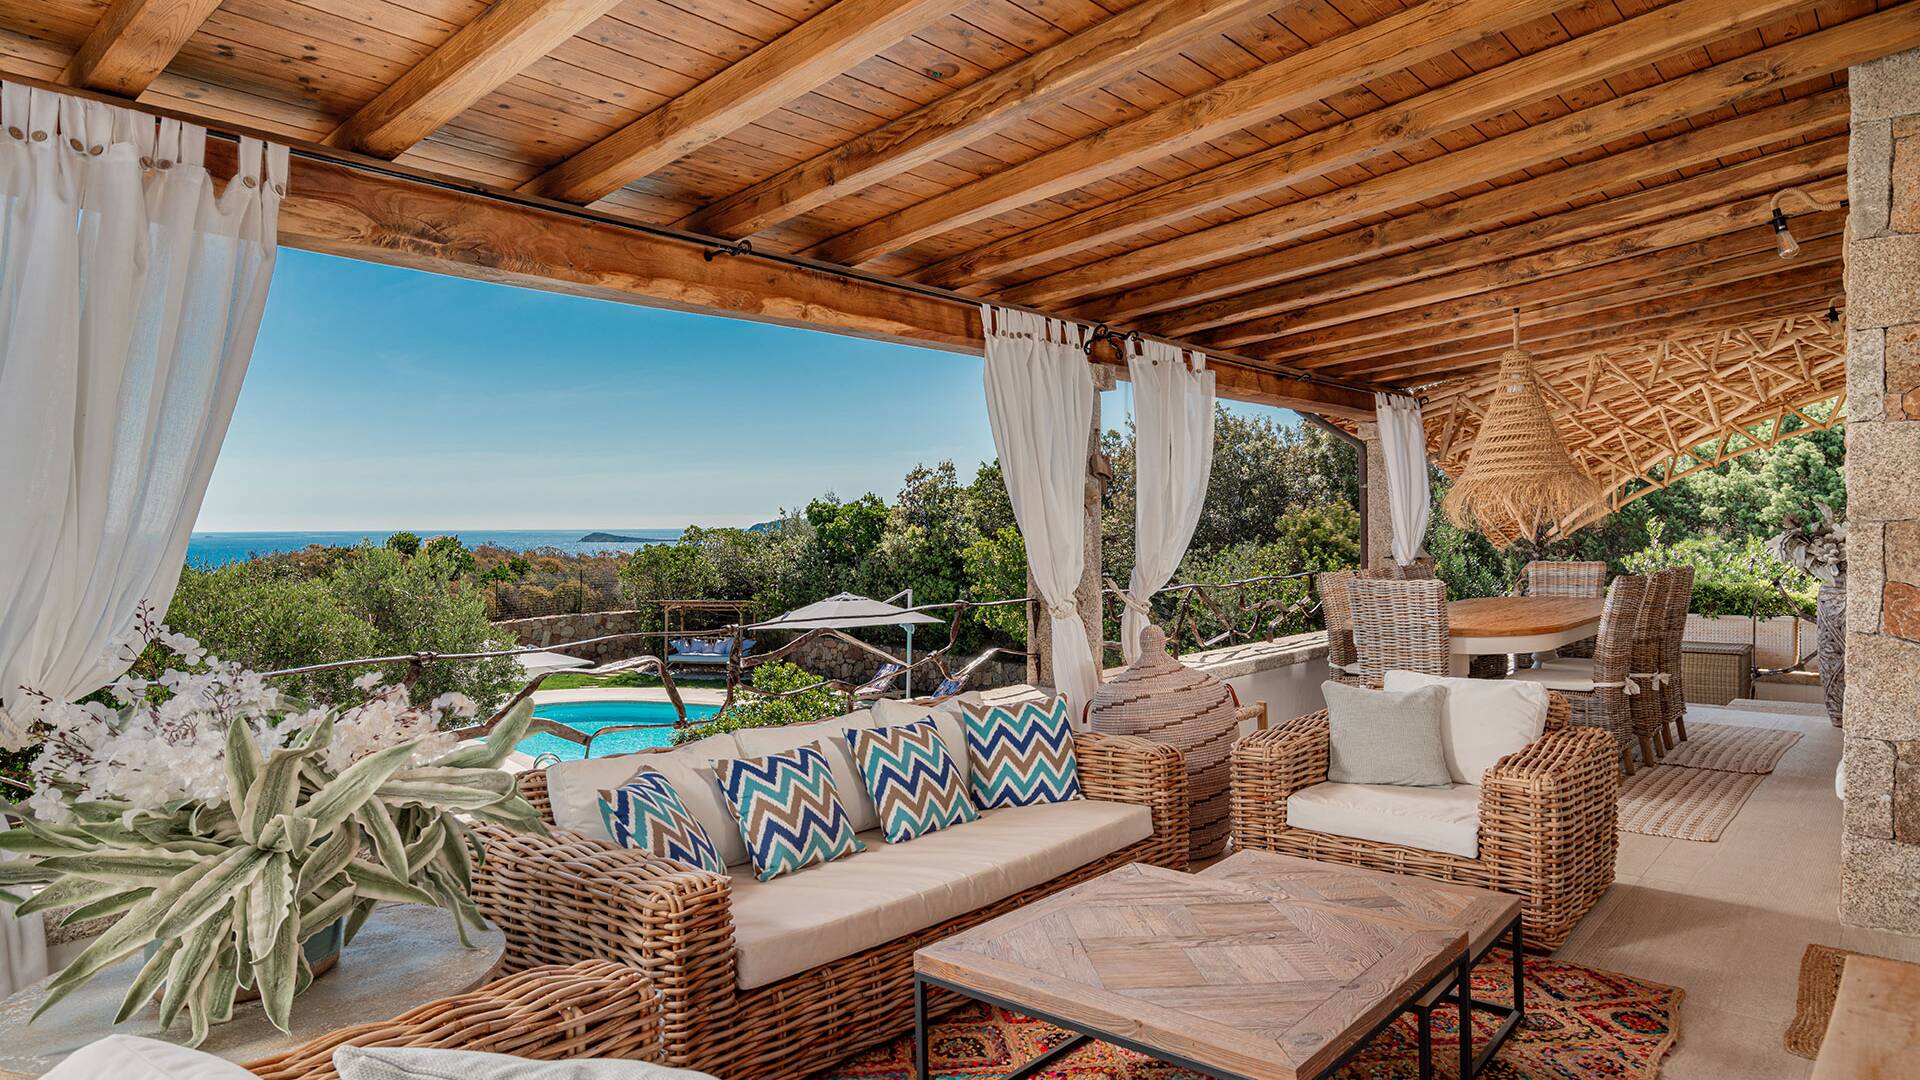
210 549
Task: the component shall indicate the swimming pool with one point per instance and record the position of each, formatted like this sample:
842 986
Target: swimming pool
594 715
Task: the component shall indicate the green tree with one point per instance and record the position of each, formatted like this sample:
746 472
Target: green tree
996 567
406 543
269 620
421 605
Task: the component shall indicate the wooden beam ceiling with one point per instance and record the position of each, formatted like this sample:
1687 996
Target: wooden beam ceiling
484 54
800 60
133 42
1369 52
1110 49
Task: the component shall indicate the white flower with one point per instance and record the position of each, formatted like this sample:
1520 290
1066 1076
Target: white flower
456 703
368 681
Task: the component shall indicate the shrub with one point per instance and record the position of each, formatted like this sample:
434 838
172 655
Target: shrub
268 621
1731 577
755 708
406 543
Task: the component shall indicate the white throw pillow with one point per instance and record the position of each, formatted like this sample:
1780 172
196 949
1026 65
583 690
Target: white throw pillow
130 1057
575 786
415 1063
1486 719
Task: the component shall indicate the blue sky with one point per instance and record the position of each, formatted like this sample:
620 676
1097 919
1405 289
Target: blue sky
381 398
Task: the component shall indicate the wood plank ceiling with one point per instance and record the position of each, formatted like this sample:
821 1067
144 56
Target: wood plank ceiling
1361 189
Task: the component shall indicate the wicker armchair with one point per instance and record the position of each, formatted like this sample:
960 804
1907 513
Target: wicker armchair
595 1008
569 898
1401 626
1547 819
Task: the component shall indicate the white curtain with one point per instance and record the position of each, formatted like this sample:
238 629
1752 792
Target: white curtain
131 289
1403 442
1040 406
1173 455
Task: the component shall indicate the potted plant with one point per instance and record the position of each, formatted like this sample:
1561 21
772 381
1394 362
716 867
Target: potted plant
1820 549
240 837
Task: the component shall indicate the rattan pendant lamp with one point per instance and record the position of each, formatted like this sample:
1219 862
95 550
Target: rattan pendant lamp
1519 481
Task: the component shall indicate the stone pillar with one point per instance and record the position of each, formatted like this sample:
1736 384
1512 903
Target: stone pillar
1379 517
1880 876
1087 595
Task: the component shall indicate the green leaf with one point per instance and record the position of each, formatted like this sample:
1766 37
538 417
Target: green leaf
329 858
361 909
500 783
459 856
373 882
387 845
112 905
505 736
273 970
269 902
19 872
223 985
37 838
134 864
273 793
444 796
426 847
191 964
326 911
343 795
147 982
242 766
124 938
213 891
71 890
515 812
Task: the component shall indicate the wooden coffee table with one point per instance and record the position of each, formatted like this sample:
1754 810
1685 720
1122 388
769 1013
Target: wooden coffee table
1215 975
1488 917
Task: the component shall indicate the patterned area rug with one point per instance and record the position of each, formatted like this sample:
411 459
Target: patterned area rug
1580 1023
1732 748
1682 803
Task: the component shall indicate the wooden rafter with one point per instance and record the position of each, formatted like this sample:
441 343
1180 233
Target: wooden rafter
801 59
133 42
494 47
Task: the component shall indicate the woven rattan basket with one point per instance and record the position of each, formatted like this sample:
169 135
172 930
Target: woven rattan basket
1716 672
1161 699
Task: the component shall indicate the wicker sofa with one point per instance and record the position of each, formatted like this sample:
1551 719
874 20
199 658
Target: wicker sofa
570 897
1546 820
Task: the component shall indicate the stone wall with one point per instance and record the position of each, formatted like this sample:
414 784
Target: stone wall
1880 882
548 630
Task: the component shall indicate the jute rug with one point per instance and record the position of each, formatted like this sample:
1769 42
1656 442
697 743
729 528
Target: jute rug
1581 1022
1682 803
1732 748
1819 984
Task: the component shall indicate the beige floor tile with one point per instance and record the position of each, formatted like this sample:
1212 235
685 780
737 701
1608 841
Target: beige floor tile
1719 1045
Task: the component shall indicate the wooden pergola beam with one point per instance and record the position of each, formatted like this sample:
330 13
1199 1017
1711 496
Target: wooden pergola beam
133 42
1748 215
497 45
800 60
1369 52
337 209
1767 71
1758 176
1550 71
1098 55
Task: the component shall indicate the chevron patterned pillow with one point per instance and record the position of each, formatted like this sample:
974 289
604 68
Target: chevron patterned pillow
915 784
646 813
1022 754
787 810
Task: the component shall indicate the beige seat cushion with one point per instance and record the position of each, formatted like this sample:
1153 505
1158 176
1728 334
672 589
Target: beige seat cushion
575 787
802 920
1431 819
1567 673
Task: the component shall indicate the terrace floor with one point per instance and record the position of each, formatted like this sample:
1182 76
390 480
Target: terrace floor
1727 921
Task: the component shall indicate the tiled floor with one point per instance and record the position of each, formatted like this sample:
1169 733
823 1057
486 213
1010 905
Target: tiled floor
1727 921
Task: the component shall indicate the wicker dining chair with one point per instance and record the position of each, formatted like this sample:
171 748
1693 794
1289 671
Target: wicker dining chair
1342 661
1420 569
1648 707
1400 626
1673 690
1597 689
1543 577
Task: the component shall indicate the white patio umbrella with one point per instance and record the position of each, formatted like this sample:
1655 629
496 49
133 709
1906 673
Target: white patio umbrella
847 611
541 663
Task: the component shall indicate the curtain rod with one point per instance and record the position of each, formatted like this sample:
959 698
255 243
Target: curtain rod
711 246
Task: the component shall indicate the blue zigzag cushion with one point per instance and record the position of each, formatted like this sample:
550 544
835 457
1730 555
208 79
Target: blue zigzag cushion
1022 754
915 784
647 814
787 810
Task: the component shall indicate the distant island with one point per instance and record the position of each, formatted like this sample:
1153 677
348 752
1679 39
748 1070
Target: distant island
615 538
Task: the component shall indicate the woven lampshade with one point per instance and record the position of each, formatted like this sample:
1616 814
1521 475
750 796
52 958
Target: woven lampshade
1519 478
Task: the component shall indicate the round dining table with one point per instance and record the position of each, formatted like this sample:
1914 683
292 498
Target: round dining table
1498 625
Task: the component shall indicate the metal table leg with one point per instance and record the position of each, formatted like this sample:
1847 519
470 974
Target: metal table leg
919 1028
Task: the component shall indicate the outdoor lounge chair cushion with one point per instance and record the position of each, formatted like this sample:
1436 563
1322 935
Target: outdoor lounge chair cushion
130 1057
575 787
1486 719
1385 736
916 786
1444 819
787 809
647 814
800 921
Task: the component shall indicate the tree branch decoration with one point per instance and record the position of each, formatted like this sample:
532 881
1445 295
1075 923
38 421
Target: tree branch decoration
225 827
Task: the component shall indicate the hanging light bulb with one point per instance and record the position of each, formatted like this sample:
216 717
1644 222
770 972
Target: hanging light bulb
1783 236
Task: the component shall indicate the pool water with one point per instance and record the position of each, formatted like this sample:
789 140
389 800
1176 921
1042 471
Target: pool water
594 715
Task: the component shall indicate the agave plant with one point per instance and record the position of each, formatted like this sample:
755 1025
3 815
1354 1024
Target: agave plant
221 893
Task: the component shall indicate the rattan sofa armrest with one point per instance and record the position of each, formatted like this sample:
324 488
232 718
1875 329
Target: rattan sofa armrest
1130 769
1267 767
565 898
1548 813
592 1009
